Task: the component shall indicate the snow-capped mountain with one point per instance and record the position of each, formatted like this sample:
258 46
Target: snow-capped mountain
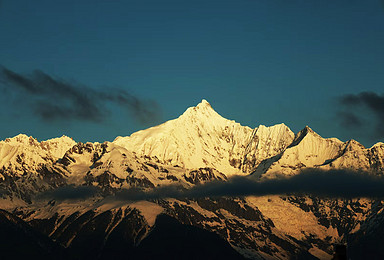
25 165
356 156
200 137
24 155
308 149
198 147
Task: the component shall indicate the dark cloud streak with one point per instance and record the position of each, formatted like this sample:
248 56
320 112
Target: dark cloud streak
357 108
327 184
333 183
348 119
54 99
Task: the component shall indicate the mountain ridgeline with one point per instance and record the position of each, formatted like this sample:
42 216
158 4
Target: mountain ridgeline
60 194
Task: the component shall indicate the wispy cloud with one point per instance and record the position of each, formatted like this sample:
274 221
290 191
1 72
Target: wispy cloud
54 99
357 109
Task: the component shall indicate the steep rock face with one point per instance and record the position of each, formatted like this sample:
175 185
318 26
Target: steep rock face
22 155
265 142
307 150
202 138
357 157
78 160
119 168
26 165
354 156
376 157
340 216
310 150
203 175
112 167
242 224
58 146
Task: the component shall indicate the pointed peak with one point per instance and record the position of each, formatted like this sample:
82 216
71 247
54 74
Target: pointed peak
277 128
378 145
301 134
353 144
63 138
22 139
204 103
307 129
203 108
281 126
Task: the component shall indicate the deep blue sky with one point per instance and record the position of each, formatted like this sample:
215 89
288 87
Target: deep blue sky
255 61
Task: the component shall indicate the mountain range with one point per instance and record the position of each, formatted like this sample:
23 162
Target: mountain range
58 197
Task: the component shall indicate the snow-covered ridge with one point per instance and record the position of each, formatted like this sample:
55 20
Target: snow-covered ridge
56 146
307 150
200 137
24 154
198 147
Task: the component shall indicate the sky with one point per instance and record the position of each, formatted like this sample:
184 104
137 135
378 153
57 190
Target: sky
94 70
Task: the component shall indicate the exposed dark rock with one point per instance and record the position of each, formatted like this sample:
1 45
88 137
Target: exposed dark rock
203 175
18 240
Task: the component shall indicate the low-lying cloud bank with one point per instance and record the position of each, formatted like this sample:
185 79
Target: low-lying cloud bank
330 184
334 183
